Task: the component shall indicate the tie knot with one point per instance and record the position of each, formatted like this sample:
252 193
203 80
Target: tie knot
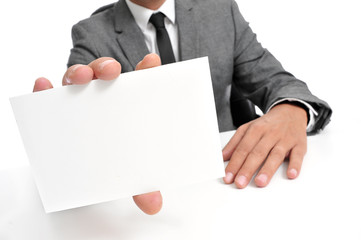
157 20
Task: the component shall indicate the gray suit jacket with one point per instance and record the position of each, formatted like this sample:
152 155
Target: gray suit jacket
213 28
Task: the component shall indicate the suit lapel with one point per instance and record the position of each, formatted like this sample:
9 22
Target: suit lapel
130 37
188 34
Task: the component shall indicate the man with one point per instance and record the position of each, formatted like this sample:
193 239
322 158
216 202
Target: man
123 35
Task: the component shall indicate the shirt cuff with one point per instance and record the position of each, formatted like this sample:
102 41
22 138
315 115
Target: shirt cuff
312 112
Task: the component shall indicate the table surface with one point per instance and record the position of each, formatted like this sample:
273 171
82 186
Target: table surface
323 203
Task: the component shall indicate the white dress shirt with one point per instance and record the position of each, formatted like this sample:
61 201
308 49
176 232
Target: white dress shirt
142 16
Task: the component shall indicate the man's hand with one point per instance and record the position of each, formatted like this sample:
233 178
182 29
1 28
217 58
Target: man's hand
268 140
108 69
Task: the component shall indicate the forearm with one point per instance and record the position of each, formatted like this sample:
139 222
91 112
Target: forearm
262 79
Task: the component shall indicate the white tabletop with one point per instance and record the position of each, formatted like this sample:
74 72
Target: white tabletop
323 203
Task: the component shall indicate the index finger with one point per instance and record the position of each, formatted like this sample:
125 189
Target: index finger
104 68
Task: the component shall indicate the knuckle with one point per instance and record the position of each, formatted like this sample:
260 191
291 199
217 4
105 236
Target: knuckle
257 153
243 127
273 165
279 151
257 127
241 152
299 152
233 166
276 132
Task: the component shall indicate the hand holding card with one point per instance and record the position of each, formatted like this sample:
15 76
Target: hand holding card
145 131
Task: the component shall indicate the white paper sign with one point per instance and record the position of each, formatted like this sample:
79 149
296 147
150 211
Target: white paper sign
147 130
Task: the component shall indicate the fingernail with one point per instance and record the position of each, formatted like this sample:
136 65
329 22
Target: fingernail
228 178
105 63
67 81
262 179
73 69
292 173
242 181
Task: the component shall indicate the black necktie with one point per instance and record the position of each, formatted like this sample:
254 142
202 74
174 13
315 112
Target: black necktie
163 41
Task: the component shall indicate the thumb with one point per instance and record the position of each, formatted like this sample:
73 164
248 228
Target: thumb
150 203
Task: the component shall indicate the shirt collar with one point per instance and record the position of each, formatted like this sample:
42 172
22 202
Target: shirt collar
142 14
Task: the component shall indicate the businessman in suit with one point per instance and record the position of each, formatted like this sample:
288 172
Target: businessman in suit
117 37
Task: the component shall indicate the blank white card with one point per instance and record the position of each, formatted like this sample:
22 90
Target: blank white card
147 130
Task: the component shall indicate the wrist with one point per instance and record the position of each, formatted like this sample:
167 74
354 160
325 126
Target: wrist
294 109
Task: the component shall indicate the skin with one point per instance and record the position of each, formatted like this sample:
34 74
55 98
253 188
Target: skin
108 69
265 142
261 144
268 140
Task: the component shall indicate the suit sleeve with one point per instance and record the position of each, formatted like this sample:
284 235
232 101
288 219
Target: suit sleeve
261 77
84 50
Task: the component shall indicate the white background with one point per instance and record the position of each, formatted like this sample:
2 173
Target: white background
318 41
